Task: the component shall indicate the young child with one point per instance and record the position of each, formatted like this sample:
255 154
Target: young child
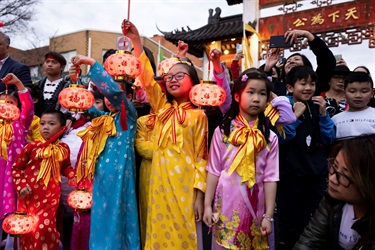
345 217
359 118
110 164
178 173
243 168
303 156
16 141
36 177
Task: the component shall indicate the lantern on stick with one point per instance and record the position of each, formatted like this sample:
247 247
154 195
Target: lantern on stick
8 114
80 200
207 93
17 224
76 98
123 66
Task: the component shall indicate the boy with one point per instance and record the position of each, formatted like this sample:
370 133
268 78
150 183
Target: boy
303 158
359 118
36 176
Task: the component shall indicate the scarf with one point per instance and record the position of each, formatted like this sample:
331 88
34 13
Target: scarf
250 141
6 134
94 139
273 115
170 119
52 154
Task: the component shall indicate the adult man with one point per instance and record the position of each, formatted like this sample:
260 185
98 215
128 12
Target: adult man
53 83
8 65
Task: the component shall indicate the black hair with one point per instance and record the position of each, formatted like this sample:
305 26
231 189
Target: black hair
300 72
357 77
36 93
238 88
57 56
151 58
192 73
6 38
363 67
60 115
305 60
108 53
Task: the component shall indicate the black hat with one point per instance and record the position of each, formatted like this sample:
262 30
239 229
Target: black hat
57 56
341 70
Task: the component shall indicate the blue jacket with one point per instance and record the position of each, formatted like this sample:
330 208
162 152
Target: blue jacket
303 150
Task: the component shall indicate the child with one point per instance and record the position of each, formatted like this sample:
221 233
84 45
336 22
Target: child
303 164
19 128
34 131
36 176
178 173
345 217
110 163
243 168
359 118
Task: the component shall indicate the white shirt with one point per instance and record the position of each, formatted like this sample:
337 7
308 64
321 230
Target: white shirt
347 236
50 88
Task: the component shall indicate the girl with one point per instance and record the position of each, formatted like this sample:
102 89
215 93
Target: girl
177 182
110 163
243 169
345 218
36 176
20 127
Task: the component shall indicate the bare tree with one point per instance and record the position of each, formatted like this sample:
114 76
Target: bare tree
15 14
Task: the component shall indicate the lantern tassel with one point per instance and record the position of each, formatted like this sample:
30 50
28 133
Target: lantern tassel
123 121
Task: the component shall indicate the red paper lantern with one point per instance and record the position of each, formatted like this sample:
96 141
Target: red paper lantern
76 98
207 94
8 111
123 65
165 65
80 199
18 223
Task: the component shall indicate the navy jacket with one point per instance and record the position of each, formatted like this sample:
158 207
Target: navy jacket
17 68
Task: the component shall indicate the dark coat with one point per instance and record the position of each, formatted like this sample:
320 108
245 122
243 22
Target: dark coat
52 104
17 68
323 229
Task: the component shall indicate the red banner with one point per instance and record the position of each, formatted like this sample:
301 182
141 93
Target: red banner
270 3
318 20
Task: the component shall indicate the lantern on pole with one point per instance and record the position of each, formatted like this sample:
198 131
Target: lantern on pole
123 66
76 98
80 200
207 93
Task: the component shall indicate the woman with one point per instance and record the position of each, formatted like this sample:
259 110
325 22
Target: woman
346 216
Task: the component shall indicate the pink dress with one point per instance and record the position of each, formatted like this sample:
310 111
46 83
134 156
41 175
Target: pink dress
21 127
240 208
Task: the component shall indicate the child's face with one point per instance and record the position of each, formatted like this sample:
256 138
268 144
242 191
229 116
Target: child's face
341 190
49 125
179 89
358 95
302 90
109 105
99 104
252 100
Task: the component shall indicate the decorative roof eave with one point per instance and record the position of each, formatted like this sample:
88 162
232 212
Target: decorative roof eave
233 2
217 29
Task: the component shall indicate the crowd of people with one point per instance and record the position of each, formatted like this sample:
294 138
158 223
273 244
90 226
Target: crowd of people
285 162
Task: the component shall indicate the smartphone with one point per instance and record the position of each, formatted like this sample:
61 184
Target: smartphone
279 42
282 60
238 47
338 57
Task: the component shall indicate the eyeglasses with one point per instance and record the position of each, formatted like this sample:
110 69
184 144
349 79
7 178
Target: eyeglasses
340 177
178 76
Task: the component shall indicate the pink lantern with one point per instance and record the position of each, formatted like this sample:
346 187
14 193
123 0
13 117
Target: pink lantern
207 94
8 112
123 65
80 199
18 223
165 65
76 98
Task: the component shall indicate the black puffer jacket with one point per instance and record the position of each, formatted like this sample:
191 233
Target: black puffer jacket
323 229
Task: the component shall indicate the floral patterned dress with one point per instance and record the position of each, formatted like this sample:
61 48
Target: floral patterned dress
240 208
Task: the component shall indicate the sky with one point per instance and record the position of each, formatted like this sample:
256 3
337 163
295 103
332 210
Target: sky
59 17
